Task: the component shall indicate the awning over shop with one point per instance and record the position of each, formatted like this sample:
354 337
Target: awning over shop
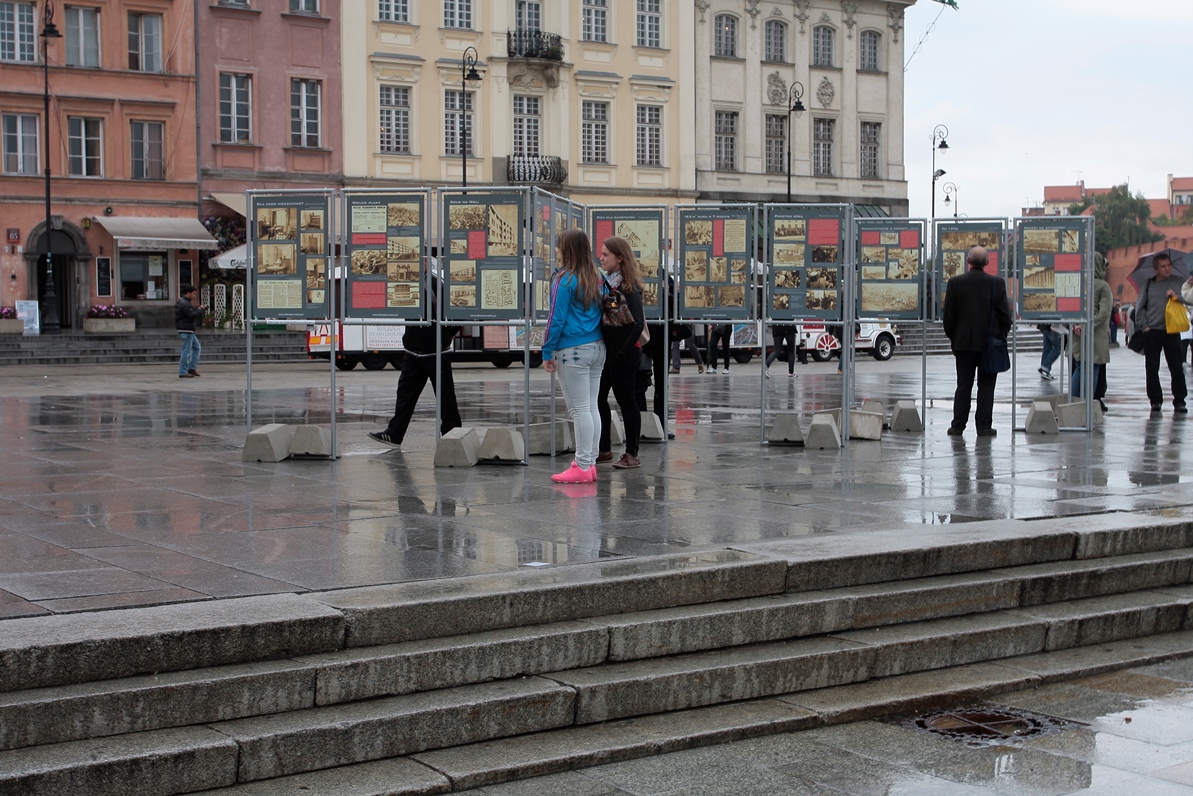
233 259
136 232
235 202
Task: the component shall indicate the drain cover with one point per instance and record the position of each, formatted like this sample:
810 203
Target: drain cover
985 725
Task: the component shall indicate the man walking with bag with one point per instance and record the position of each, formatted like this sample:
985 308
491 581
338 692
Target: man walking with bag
1152 329
975 308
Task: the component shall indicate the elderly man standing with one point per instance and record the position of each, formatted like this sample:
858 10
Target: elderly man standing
1149 322
975 307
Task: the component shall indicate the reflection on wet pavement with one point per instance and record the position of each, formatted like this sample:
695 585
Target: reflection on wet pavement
140 498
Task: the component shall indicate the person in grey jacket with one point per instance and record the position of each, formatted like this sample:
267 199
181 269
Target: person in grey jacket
1149 322
185 314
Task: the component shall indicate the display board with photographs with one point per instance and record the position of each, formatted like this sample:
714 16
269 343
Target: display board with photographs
383 249
807 255
1051 267
890 275
551 217
954 239
484 252
289 237
716 246
643 229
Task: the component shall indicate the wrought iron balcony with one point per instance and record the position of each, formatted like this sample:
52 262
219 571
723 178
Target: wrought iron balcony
539 169
535 44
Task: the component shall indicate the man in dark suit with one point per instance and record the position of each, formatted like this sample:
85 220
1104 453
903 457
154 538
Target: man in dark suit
969 300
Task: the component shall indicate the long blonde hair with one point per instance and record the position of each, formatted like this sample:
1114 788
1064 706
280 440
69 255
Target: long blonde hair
631 272
575 254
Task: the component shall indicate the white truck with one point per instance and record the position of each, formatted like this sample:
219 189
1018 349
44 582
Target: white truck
879 340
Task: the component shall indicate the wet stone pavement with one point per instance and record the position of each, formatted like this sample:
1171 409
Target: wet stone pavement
123 486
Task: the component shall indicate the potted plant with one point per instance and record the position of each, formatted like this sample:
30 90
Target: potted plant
108 319
9 322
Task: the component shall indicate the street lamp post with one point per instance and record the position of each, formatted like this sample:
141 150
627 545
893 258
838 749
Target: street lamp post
940 136
950 197
468 74
794 105
49 299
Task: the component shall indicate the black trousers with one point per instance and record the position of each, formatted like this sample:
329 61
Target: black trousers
621 376
787 338
1155 343
967 369
416 372
722 333
657 350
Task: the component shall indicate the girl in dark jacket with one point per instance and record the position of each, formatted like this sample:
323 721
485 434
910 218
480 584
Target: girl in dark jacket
621 272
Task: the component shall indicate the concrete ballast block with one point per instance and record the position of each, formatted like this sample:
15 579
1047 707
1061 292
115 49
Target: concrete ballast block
1072 415
459 447
906 417
312 441
865 425
823 433
539 443
786 429
1040 419
652 427
503 444
269 443
875 406
616 429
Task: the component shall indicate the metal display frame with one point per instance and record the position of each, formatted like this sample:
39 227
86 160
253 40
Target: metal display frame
714 248
603 222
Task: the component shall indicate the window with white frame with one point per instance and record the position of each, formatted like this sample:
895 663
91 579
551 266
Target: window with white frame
650 135
776 143
304 113
148 150
869 153
20 143
304 6
595 20
528 15
527 123
822 45
393 10
145 42
868 51
594 132
17 33
85 146
457 123
236 108
822 147
236 3
82 36
650 23
457 13
775 41
724 41
725 140
395 120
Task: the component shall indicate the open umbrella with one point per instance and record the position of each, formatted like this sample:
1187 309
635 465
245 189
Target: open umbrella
1145 269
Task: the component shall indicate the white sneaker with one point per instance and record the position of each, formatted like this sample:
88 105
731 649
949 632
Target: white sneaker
768 373
711 370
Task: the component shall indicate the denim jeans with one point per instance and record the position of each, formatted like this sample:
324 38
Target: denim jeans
579 371
1051 350
188 360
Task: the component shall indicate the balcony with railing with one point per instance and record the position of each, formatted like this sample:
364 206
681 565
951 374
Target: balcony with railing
540 169
527 43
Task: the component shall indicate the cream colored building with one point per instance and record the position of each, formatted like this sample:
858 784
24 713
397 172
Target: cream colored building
599 90
847 144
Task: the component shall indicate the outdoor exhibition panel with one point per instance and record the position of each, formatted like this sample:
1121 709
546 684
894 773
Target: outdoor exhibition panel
577 213
808 252
716 252
289 238
1053 258
890 276
483 254
552 216
643 228
953 241
383 247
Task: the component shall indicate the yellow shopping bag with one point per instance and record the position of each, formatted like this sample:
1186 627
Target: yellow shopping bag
1176 317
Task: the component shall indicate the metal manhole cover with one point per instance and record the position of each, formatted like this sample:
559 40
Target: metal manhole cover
985 725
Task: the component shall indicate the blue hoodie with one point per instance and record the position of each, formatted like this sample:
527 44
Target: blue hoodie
569 322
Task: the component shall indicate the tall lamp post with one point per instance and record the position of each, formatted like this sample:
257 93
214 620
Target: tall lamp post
794 105
940 142
468 74
49 299
950 197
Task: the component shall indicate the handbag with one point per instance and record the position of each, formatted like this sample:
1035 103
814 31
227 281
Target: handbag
1135 342
617 322
995 357
1176 317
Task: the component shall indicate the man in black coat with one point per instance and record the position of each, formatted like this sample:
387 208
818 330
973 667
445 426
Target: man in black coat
969 300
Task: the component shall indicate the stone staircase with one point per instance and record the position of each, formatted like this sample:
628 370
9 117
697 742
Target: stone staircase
1028 339
148 346
445 685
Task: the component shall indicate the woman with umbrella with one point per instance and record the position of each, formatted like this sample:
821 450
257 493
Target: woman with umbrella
1153 276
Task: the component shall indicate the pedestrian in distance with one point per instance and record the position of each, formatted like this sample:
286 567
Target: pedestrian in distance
574 347
1103 312
186 313
680 332
418 368
1115 316
785 334
620 374
975 307
721 333
1051 352
1150 324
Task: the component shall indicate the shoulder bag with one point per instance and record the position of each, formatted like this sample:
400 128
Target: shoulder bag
995 357
617 322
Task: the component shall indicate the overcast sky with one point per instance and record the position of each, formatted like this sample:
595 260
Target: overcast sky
1047 92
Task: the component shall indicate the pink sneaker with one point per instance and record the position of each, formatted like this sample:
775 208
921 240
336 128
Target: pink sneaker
575 475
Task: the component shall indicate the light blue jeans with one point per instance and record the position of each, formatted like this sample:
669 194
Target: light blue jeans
580 378
188 360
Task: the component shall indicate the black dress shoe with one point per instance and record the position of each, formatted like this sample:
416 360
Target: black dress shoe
1156 407
987 432
955 432
1180 409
